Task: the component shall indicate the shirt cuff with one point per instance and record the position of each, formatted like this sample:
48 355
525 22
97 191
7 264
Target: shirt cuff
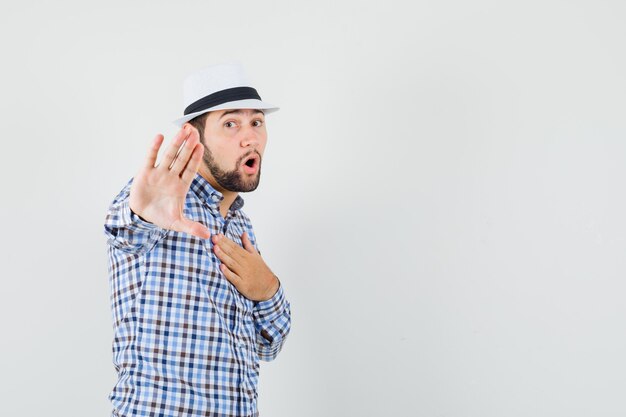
130 218
273 308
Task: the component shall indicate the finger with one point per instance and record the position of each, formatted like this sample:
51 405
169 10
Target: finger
247 244
180 148
193 228
226 258
194 163
183 157
229 247
172 150
231 276
154 151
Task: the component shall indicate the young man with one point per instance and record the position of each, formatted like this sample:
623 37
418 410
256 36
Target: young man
194 305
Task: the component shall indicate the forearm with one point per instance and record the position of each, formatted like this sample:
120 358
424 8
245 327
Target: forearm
125 230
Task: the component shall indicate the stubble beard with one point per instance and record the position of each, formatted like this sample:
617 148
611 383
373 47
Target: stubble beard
231 180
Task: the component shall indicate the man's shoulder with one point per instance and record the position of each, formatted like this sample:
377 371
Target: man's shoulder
196 209
123 193
193 199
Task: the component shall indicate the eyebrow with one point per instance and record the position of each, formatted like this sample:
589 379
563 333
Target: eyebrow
237 111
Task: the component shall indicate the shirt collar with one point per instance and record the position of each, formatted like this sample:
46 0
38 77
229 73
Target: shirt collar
210 195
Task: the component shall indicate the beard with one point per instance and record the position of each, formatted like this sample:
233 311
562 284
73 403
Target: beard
232 180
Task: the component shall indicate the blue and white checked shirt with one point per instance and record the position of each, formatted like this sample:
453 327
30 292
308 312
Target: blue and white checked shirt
186 342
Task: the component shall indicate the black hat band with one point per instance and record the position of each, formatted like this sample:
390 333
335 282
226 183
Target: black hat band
220 97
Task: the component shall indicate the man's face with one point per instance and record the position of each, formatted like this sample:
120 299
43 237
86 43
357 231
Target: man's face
232 137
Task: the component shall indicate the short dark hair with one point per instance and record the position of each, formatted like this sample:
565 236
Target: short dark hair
198 122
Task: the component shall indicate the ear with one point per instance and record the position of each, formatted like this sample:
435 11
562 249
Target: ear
193 129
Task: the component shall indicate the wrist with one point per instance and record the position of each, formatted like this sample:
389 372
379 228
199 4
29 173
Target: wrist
273 288
135 213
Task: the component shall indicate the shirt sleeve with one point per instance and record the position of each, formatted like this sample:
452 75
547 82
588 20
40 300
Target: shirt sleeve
125 230
272 322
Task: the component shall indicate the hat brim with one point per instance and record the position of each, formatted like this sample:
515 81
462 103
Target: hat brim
238 104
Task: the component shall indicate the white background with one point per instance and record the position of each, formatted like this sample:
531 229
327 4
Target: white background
442 196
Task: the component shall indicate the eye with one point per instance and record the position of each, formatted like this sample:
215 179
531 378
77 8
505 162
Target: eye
227 124
258 123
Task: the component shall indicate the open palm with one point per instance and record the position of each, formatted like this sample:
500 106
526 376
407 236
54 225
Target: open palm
158 192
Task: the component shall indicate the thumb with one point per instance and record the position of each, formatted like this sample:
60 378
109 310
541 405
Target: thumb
193 228
246 243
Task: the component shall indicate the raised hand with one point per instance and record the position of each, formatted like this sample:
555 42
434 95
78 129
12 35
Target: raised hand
158 192
244 268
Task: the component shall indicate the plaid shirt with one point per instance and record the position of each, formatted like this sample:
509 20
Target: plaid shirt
186 342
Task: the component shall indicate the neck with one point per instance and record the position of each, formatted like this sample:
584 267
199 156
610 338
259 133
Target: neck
229 196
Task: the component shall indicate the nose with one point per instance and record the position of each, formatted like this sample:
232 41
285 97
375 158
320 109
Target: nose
250 137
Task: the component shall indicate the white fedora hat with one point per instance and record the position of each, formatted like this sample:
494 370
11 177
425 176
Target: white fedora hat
219 87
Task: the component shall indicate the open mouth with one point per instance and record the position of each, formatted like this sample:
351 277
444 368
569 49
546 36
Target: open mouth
250 165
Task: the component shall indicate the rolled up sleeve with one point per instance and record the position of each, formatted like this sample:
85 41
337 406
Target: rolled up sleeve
272 322
125 230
